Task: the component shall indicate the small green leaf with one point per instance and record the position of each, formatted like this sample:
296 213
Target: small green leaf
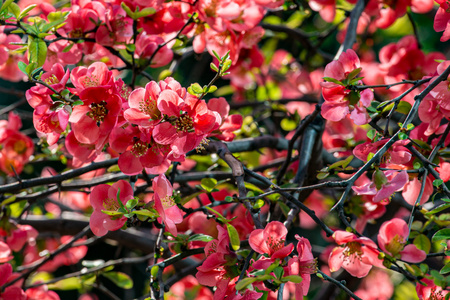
196 88
131 203
438 182
146 213
354 73
6 4
229 199
445 269
258 204
212 89
402 136
122 280
214 67
245 282
443 234
200 237
128 10
438 209
279 272
423 243
15 9
292 278
25 11
234 237
329 79
164 74
145 12
22 67
208 184
112 213
78 102
37 51
154 271
216 55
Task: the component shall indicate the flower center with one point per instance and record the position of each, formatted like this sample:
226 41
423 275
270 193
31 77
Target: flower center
139 148
184 123
98 111
110 204
149 107
167 202
76 33
396 245
275 244
20 147
91 81
436 295
51 80
309 267
352 251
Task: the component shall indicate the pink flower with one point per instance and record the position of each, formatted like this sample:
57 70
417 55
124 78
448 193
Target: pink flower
341 100
21 235
213 271
188 122
270 241
430 291
41 293
12 292
442 20
137 148
104 197
356 255
303 265
5 253
229 123
382 187
169 212
392 238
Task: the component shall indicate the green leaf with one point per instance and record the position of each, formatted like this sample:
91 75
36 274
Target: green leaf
423 243
438 182
245 282
212 89
131 203
354 73
258 204
128 10
226 65
67 284
200 237
145 12
8 200
37 51
188 198
15 9
402 136
120 202
53 24
234 237
214 67
146 213
122 280
196 88
25 11
330 79
154 271
112 213
216 55
445 269
292 278
78 102
279 272
22 67
344 163
6 4
443 234
164 74
438 209
208 184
